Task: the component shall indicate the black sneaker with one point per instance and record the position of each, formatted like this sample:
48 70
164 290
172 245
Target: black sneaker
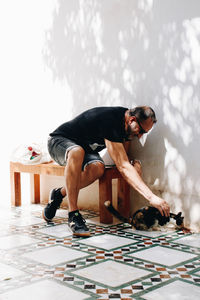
55 199
77 224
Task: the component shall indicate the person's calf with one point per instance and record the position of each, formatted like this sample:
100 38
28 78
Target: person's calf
63 191
94 171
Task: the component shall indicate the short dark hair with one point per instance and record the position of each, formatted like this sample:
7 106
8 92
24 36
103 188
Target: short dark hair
142 113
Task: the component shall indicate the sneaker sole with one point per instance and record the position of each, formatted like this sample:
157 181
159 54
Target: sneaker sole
85 234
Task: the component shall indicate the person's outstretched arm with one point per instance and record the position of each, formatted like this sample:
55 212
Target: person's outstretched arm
129 173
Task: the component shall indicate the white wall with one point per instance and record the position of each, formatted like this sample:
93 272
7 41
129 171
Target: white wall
28 92
60 57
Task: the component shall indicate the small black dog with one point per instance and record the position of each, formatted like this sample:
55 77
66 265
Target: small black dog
146 217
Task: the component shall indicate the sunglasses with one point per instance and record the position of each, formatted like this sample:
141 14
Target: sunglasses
142 131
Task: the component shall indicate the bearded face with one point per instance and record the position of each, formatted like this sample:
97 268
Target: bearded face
132 130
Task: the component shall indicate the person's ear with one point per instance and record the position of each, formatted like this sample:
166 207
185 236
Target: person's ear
132 119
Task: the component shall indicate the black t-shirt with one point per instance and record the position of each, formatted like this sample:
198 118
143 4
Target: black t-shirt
90 128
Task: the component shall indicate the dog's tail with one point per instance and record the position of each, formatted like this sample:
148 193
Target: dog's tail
115 213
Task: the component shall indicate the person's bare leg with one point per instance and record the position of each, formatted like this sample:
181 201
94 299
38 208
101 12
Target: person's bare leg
73 171
75 178
92 172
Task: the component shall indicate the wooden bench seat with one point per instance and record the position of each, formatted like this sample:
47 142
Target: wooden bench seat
105 186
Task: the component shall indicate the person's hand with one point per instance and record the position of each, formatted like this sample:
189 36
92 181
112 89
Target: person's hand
161 205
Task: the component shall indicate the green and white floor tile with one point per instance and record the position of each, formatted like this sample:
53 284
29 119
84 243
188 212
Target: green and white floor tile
44 261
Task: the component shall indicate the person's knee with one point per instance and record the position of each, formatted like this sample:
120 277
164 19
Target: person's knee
76 154
101 169
96 169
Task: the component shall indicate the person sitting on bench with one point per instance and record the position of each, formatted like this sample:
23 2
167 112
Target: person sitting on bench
76 145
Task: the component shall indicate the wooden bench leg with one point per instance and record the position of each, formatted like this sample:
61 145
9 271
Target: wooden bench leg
123 198
35 188
15 183
105 194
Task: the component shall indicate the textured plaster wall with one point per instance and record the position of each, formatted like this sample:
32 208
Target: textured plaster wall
61 57
138 52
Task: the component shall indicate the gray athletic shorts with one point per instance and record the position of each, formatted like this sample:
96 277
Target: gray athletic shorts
59 146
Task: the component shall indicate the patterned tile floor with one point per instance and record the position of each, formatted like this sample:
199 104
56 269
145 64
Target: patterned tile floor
44 261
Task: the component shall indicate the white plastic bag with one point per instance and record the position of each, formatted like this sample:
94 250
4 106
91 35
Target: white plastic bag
31 154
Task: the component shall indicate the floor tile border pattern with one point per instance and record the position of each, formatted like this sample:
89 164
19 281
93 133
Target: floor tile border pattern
63 272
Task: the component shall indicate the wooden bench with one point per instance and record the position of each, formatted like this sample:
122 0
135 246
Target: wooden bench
105 186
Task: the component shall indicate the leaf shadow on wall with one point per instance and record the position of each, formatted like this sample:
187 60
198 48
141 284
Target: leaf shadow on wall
137 52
